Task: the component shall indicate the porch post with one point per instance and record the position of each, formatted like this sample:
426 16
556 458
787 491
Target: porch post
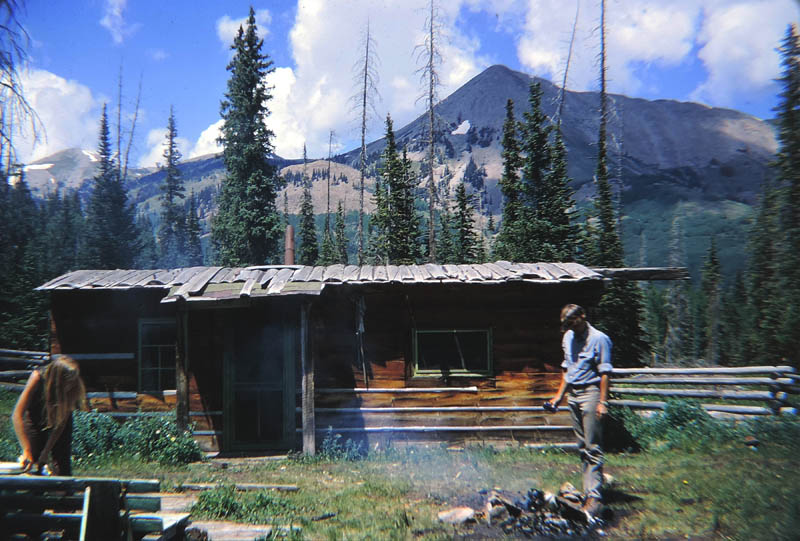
181 378
307 360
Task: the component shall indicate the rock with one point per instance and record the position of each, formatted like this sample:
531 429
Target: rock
457 515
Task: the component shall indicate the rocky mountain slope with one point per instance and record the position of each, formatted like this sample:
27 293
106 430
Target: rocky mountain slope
677 166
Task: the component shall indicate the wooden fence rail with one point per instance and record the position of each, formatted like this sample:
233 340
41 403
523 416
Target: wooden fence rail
770 385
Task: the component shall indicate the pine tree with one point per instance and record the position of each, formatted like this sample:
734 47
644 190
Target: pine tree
467 246
340 235
309 251
446 248
194 248
247 226
786 302
111 231
405 228
559 235
172 228
535 132
509 238
395 225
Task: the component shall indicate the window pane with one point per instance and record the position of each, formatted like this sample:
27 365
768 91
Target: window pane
157 341
150 380
453 351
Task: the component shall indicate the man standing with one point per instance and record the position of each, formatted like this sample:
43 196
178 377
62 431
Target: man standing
585 375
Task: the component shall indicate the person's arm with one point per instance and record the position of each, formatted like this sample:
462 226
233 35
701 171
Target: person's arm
17 419
602 407
51 441
605 368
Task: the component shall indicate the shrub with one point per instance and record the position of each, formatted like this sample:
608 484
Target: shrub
93 435
158 439
9 447
683 424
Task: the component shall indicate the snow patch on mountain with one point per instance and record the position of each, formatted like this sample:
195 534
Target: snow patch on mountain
462 128
38 166
91 155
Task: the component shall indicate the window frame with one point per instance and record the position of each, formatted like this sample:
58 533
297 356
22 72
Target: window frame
140 348
437 372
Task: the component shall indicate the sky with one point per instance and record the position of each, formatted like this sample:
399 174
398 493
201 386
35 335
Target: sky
722 53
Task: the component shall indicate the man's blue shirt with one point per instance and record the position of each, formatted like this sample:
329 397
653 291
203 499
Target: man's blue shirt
586 357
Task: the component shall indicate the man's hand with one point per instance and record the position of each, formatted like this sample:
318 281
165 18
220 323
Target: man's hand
551 405
602 409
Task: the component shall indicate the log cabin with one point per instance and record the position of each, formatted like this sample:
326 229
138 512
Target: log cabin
277 357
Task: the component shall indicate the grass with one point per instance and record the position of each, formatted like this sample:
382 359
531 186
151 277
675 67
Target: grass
720 491
731 492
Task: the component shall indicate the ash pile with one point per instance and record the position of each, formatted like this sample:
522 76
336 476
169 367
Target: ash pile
537 514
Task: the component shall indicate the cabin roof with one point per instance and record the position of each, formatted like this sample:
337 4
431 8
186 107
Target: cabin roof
219 283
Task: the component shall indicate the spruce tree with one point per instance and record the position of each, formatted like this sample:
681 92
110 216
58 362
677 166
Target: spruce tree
405 228
309 251
340 236
509 237
110 228
172 228
535 132
786 302
247 226
559 235
467 245
446 248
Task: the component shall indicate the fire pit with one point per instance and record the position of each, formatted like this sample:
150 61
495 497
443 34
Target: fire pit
536 514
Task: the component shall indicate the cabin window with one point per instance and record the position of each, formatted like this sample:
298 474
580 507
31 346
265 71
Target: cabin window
453 351
157 338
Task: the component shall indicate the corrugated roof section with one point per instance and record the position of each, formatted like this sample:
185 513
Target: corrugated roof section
219 283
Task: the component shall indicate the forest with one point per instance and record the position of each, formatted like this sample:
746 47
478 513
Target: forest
749 318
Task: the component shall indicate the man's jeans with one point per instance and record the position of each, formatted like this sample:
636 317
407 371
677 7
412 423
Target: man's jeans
583 410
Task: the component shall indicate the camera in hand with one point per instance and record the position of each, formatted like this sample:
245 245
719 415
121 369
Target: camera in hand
550 406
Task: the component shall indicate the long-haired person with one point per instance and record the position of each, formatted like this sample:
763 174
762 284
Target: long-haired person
43 415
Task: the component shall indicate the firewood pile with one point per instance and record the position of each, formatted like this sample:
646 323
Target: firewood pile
537 514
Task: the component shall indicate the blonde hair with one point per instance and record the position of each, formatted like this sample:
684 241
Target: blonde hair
63 390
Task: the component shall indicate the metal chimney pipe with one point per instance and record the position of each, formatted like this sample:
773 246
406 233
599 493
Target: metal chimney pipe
288 253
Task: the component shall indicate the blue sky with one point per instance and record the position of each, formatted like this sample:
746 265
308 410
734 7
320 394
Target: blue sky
717 52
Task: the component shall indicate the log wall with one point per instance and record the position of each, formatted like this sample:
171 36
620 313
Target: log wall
390 403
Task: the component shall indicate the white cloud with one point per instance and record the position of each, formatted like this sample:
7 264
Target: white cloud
227 27
207 142
637 31
738 48
156 144
734 39
325 46
114 21
68 111
158 55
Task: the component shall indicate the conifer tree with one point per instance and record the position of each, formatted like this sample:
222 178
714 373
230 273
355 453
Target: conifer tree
309 251
446 247
395 223
535 132
193 254
110 231
786 303
509 237
619 310
467 246
247 226
340 235
559 235
172 228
